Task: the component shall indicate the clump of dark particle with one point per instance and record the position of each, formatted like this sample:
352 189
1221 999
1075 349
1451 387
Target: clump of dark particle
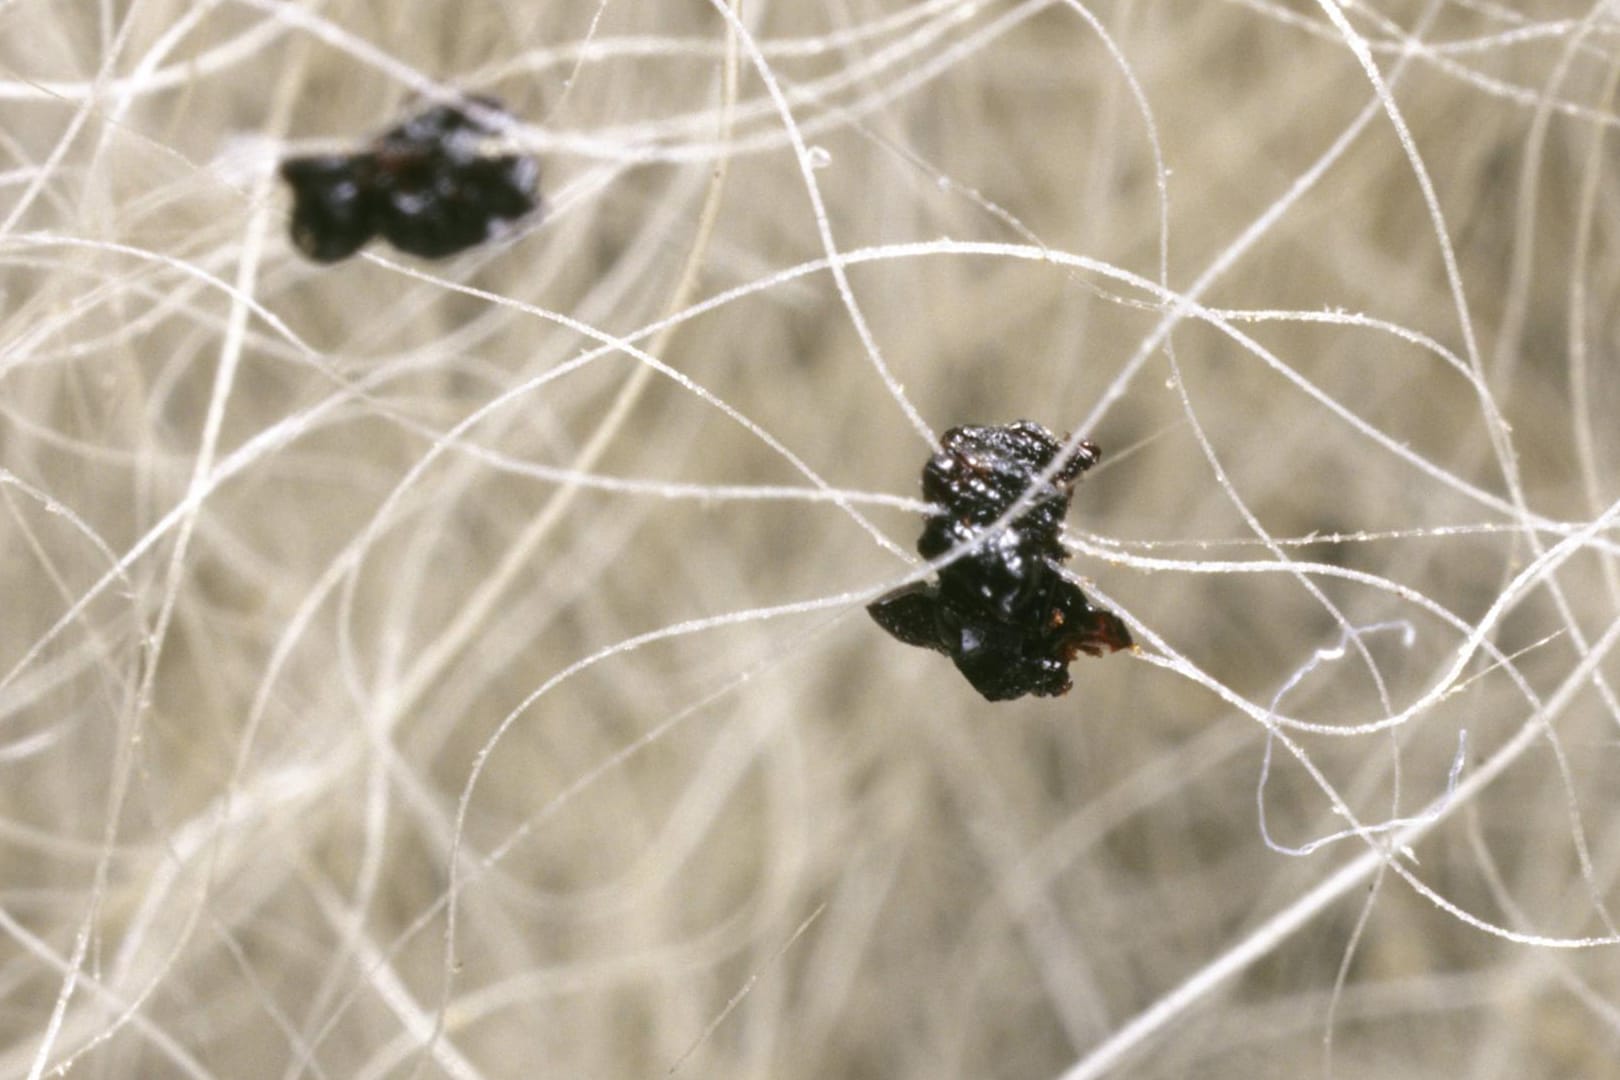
431 187
1002 610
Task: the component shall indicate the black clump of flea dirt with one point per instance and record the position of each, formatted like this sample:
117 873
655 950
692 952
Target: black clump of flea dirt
430 187
1002 610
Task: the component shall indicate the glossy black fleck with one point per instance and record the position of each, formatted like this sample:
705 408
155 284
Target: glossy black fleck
430 186
1002 611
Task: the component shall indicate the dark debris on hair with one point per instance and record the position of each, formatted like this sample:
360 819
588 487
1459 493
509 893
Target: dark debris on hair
430 186
1002 610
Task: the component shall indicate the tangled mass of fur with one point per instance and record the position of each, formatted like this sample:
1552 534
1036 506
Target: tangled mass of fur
449 452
